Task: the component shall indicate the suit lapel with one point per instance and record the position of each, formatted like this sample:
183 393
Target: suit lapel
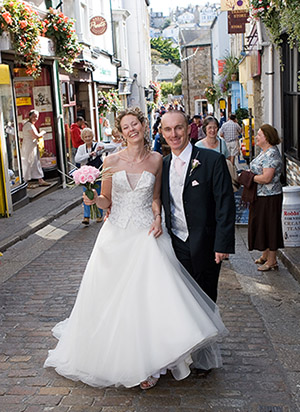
166 179
195 155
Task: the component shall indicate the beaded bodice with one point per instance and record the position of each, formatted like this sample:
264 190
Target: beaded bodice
132 201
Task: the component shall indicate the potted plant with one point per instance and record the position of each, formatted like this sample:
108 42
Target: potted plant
231 67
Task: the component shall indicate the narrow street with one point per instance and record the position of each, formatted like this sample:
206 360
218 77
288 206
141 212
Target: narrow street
39 280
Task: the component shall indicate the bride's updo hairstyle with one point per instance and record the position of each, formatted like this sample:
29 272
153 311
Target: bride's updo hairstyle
135 111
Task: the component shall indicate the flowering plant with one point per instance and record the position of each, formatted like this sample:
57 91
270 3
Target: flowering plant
108 102
259 8
61 29
25 27
211 94
155 86
88 176
224 84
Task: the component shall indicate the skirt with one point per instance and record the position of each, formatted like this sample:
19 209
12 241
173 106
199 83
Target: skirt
264 224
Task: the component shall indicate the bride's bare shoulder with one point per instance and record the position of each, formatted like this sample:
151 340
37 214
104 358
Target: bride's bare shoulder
113 159
156 157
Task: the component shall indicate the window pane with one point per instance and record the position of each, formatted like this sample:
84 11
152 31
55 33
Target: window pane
64 92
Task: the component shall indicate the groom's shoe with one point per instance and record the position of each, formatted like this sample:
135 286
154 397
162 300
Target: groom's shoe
202 372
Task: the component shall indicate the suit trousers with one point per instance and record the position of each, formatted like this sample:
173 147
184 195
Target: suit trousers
205 273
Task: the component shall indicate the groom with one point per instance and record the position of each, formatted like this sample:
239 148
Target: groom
198 201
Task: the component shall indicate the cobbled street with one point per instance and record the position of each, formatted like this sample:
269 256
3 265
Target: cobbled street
40 277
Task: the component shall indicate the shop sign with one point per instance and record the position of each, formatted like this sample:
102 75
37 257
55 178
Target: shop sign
221 64
98 25
237 21
233 5
23 101
105 71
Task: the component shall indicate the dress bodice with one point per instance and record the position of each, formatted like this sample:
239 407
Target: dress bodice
132 204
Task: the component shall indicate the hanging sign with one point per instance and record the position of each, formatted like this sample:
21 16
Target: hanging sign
233 5
237 21
98 25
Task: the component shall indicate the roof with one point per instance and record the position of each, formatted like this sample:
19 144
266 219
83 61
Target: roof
167 72
195 37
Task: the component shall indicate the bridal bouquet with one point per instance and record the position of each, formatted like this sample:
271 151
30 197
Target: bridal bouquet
88 176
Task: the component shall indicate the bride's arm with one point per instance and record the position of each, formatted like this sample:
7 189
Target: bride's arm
104 200
156 228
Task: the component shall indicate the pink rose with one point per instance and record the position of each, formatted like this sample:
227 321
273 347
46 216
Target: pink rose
90 178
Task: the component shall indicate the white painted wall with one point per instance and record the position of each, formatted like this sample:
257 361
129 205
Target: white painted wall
220 41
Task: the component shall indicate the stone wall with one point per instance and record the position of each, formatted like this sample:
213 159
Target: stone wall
196 76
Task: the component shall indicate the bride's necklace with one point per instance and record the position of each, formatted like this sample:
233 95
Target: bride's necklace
133 162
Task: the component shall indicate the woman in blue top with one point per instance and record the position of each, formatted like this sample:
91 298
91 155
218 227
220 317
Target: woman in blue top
264 226
212 140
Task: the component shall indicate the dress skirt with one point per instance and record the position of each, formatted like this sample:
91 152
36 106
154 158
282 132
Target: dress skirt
137 312
264 224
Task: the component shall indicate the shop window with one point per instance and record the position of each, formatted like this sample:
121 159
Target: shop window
69 113
13 163
291 100
36 94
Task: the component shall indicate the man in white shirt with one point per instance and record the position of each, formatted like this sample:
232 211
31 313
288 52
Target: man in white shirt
231 131
198 202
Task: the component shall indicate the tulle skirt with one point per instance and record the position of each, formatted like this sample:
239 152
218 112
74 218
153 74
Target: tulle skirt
137 312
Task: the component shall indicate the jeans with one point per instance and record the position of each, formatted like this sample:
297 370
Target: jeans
87 209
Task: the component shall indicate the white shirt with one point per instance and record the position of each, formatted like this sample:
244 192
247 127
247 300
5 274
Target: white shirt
178 219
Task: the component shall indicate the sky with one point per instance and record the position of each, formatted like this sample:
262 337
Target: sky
165 5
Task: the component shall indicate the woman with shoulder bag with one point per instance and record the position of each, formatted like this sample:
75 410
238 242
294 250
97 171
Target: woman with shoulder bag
90 154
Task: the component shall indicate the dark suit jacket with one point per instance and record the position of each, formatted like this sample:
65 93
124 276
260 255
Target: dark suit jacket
209 207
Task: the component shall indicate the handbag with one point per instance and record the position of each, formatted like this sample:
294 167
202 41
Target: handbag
96 161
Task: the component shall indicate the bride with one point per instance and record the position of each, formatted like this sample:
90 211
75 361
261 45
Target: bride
139 314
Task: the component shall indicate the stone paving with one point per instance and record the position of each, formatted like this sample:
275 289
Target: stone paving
260 372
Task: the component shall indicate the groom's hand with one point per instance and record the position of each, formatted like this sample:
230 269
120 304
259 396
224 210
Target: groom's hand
220 256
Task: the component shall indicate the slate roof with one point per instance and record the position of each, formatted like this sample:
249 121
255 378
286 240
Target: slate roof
167 72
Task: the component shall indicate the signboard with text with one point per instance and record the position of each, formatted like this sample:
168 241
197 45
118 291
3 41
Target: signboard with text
98 25
237 21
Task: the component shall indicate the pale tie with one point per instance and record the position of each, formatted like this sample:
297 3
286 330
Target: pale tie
179 166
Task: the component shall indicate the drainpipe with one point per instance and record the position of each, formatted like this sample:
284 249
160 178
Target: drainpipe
270 72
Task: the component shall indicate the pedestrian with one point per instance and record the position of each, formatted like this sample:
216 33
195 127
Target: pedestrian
195 126
90 154
231 131
198 203
117 141
76 135
30 155
212 140
264 225
106 131
157 141
222 118
141 313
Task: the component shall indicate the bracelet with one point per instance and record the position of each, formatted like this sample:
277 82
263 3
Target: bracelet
158 214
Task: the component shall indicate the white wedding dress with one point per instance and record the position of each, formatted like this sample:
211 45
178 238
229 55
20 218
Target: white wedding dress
138 311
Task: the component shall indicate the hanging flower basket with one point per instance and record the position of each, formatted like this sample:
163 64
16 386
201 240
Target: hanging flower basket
108 102
61 29
211 94
24 27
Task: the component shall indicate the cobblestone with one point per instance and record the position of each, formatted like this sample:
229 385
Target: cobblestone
259 370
